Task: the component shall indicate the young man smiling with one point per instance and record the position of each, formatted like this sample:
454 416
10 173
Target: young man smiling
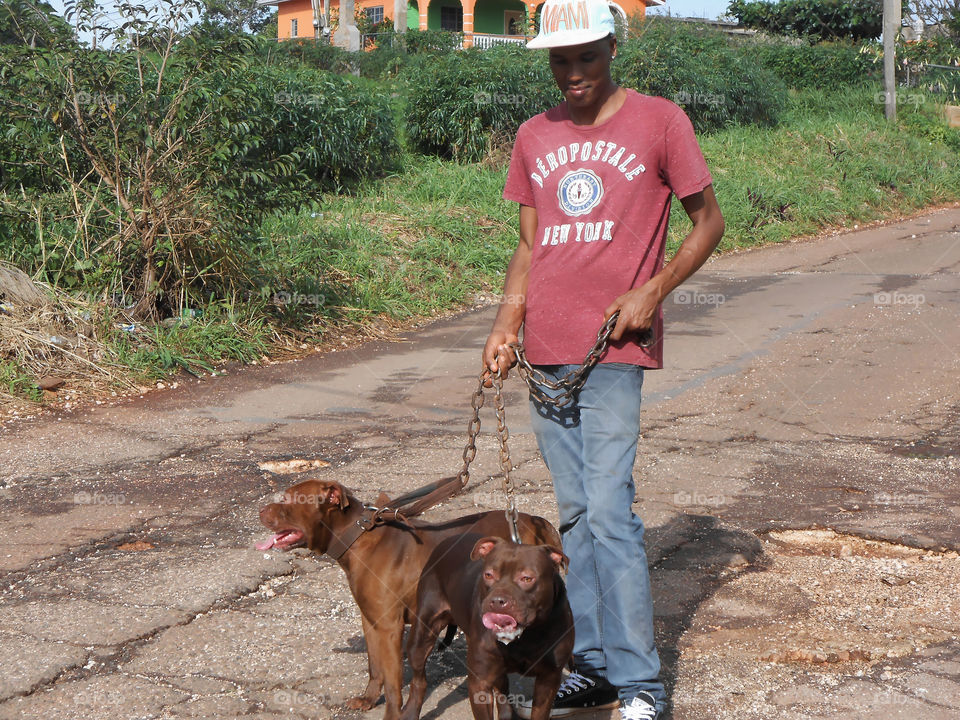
594 177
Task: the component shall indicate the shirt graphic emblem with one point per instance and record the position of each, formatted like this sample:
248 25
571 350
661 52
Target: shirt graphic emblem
579 192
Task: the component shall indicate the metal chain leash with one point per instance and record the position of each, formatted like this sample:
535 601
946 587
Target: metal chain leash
503 435
571 383
473 429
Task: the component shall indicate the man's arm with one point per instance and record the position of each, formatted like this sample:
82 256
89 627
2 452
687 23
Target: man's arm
513 304
638 307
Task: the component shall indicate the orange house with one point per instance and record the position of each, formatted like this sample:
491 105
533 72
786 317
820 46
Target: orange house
482 22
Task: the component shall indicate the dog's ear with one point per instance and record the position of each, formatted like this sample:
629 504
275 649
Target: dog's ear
557 557
335 494
484 546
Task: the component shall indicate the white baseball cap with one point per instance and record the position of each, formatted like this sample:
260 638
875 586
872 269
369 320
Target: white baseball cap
573 22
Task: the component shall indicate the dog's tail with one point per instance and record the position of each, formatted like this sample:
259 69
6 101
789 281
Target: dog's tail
447 637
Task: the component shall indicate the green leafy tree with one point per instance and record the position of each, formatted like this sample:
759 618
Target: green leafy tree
163 155
815 19
238 16
32 22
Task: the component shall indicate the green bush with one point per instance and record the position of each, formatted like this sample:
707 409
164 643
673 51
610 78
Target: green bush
162 189
824 65
457 103
431 42
700 70
319 55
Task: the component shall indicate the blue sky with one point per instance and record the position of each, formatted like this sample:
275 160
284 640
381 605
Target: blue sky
711 9
680 8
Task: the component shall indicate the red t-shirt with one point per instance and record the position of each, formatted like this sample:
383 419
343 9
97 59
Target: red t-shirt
602 195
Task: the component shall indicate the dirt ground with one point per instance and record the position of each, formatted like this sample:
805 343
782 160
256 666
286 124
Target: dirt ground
797 476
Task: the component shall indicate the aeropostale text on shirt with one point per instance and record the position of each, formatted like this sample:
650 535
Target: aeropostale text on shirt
602 151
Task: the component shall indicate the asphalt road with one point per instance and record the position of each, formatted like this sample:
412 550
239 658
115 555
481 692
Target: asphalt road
798 475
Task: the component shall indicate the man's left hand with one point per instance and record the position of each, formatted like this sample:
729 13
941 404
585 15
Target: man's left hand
638 308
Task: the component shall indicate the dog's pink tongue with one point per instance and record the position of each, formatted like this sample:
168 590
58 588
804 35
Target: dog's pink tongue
268 543
498 622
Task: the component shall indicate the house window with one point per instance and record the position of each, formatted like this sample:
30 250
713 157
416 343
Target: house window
375 14
293 27
451 18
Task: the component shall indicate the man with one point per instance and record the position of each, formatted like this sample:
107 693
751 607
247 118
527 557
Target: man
594 178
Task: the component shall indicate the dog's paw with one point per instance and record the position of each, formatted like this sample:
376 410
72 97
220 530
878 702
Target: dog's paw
359 703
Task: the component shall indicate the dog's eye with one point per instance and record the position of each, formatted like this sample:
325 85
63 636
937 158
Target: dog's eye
527 579
489 575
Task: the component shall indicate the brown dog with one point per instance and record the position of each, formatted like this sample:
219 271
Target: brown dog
383 566
511 603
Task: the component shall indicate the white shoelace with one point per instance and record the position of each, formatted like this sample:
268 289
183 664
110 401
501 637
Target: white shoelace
573 682
637 709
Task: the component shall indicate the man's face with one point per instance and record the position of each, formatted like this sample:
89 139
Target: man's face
582 72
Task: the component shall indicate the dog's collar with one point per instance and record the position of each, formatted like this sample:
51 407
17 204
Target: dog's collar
339 544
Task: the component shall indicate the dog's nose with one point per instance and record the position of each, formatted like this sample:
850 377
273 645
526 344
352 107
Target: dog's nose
498 602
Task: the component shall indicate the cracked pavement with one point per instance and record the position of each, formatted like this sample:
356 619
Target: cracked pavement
797 476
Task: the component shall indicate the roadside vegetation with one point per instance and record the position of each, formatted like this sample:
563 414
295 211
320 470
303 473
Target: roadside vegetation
194 196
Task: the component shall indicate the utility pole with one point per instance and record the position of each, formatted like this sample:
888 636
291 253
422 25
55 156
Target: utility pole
891 26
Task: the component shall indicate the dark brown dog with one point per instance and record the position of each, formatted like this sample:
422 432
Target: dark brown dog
511 603
383 567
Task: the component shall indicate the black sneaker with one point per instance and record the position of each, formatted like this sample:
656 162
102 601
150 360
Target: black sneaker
642 707
577 694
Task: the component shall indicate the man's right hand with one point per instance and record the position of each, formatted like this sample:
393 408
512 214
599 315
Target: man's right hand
497 353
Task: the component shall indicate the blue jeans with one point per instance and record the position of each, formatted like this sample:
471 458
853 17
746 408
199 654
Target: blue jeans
589 449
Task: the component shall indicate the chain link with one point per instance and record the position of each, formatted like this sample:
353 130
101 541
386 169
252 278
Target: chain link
571 383
473 429
503 435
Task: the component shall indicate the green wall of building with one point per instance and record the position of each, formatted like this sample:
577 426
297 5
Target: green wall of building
488 14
